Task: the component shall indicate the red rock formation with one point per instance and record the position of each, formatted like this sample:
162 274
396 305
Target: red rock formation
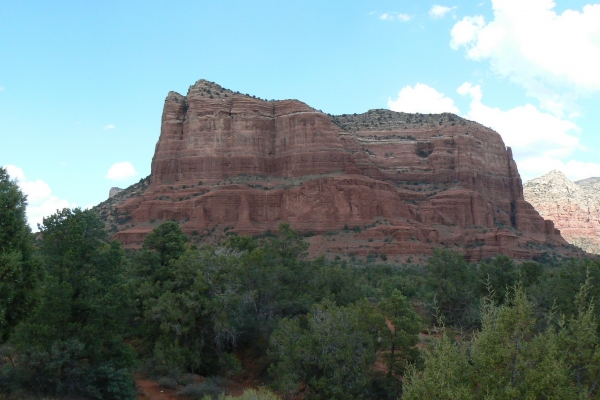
573 206
410 183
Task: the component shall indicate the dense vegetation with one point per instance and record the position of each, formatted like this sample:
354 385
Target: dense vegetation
79 316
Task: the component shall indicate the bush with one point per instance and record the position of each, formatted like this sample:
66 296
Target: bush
331 351
251 394
167 382
208 389
451 287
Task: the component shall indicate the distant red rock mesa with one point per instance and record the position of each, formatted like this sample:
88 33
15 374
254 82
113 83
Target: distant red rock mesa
381 182
573 206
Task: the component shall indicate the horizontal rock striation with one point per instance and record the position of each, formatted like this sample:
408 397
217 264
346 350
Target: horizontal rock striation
574 207
405 183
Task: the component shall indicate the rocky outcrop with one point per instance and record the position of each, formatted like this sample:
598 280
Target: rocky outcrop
108 210
574 207
113 191
387 182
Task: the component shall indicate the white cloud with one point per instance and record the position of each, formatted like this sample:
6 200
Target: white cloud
110 126
545 52
438 11
395 16
423 99
540 141
41 202
121 171
1 88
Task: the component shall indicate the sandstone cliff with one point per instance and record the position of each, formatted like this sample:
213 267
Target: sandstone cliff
404 183
573 206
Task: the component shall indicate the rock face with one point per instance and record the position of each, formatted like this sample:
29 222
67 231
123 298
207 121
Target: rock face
405 183
113 191
573 206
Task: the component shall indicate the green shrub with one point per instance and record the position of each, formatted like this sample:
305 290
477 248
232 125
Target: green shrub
251 394
167 382
209 389
331 351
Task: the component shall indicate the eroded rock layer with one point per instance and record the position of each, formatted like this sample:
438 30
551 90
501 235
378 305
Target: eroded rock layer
405 183
574 207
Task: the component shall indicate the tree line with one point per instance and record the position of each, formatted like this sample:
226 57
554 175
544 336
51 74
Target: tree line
79 316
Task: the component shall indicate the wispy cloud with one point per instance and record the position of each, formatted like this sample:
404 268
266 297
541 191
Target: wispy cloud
109 126
437 11
394 16
1 88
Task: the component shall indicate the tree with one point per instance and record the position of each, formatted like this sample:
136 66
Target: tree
167 241
178 326
149 270
331 351
402 335
19 268
452 282
447 374
72 341
578 342
506 359
558 286
499 274
511 360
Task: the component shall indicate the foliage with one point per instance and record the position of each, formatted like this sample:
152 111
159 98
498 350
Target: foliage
249 394
331 351
19 268
207 389
72 341
446 376
507 359
68 306
498 274
167 241
451 287
205 303
402 336
579 344
558 285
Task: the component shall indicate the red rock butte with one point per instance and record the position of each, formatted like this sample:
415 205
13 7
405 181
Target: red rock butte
395 183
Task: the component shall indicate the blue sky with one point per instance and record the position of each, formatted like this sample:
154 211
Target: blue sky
82 83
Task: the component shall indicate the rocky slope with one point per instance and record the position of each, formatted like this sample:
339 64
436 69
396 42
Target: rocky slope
573 206
381 182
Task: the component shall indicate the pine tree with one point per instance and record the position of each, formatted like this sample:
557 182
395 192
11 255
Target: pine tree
19 268
402 335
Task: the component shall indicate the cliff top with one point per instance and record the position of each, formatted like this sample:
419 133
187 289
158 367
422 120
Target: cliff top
381 119
372 120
